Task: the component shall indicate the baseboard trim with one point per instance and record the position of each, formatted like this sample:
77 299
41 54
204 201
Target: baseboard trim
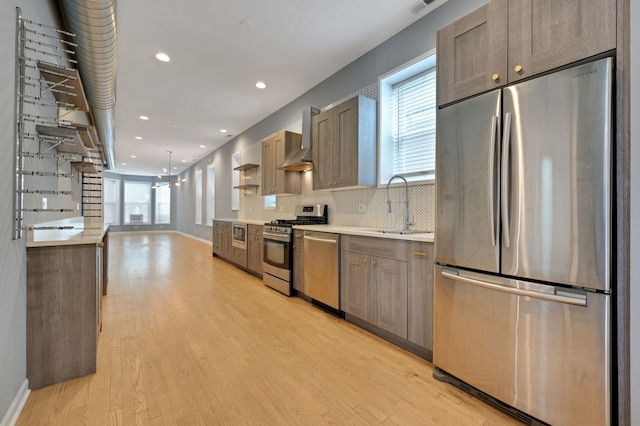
202 240
11 417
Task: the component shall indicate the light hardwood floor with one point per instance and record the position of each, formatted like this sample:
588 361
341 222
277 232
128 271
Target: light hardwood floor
190 340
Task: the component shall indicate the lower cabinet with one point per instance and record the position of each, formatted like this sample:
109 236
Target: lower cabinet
298 260
65 285
222 240
420 293
248 258
389 284
254 248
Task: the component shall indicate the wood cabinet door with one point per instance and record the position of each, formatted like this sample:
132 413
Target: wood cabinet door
389 295
355 284
268 167
322 149
298 260
226 241
545 34
217 238
345 145
254 254
472 53
279 152
420 292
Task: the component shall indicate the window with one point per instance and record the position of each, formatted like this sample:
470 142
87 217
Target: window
163 204
198 196
137 203
269 202
211 193
408 121
111 201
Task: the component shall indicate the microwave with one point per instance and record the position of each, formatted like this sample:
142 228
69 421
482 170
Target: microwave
239 235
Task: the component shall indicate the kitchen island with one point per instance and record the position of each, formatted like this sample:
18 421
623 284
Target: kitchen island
66 279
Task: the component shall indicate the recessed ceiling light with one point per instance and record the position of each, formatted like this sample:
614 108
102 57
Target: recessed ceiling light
159 177
164 169
184 161
174 168
123 164
143 117
139 138
223 130
162 57
261 85
132 156
202 146
174 125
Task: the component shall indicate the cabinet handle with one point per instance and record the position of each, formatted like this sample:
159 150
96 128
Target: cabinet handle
101 244
364 261
373 262
518 69
298 236
335 183
420 253
294 246
495 77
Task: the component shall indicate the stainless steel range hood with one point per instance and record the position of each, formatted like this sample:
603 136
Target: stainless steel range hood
301 160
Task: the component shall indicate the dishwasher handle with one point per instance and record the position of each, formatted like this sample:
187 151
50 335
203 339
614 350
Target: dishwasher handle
579 301
321 240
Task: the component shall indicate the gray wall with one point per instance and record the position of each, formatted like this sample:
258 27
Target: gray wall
635 213
399 49
12 253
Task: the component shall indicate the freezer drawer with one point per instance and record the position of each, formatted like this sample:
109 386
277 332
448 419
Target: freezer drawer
550 359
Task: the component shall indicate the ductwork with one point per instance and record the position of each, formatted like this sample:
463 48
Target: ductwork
302 160
94 23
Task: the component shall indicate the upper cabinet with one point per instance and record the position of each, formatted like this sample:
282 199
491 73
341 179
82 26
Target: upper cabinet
274 151
343 143
472 53
505 41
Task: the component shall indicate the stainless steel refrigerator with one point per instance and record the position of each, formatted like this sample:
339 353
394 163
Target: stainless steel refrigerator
523 245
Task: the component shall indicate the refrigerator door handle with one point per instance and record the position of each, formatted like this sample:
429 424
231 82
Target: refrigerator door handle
491 181
506 142
578 300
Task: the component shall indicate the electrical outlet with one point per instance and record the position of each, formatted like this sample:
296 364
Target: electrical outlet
362 207
77 206
281 208
44 203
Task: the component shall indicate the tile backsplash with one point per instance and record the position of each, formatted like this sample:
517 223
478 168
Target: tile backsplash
365 207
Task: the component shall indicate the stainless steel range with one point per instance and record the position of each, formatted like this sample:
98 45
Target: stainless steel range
278 253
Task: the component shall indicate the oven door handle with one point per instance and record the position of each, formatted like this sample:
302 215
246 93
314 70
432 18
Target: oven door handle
277 237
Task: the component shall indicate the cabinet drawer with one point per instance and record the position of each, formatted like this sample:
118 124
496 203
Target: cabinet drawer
254 230
382 247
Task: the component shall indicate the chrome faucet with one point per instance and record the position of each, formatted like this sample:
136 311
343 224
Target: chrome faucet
406 200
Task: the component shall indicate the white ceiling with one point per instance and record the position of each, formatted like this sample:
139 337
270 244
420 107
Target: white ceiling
216 60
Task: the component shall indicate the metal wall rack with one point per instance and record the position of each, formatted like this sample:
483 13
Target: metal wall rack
51 149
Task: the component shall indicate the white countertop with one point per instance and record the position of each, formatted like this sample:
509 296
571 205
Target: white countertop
83 232
426 237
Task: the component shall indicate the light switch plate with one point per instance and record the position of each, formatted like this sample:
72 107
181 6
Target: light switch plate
44 203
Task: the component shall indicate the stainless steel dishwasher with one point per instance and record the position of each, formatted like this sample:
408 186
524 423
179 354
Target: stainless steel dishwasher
321 267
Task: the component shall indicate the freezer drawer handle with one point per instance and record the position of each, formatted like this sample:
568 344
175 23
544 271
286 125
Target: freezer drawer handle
578 300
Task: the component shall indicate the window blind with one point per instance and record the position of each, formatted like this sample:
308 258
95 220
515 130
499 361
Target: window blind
414 124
